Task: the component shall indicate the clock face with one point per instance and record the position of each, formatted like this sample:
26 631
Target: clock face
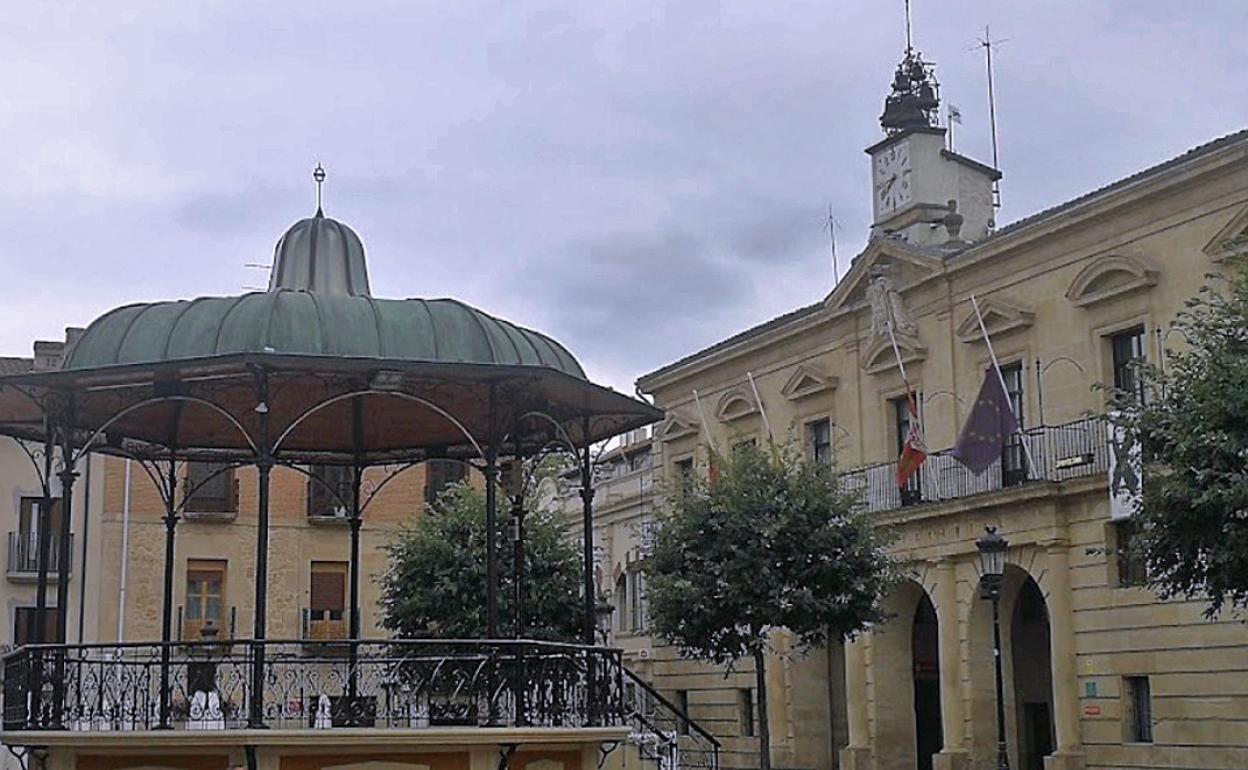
892 178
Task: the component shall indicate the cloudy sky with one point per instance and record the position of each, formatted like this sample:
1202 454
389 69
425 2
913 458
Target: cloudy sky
638 179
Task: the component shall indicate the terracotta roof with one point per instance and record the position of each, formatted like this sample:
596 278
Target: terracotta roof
802 312
1192 154
14 365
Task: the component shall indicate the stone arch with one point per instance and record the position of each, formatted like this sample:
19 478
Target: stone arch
734 405
1108 277
901 688
1026 668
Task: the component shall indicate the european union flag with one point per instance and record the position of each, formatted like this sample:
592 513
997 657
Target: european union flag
989 424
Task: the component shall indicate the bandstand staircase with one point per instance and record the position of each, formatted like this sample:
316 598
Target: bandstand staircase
662 733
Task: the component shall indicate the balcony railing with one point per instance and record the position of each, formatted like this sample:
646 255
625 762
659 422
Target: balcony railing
1060 452
663 733
24 554
382 684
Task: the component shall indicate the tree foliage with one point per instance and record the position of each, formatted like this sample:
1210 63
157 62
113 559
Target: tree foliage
774 541
435 583
1193 428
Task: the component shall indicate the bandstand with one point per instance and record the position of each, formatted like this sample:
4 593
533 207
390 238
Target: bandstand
313 372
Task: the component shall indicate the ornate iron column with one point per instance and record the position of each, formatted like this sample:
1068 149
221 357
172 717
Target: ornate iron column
491 520
264 466
587 520
353 620
65 555
43 552
166 610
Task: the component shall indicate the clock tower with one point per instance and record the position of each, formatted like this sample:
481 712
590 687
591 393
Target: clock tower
922 192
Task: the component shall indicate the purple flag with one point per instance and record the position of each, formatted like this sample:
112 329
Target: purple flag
988 426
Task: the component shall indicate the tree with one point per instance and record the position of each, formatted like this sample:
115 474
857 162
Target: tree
772 542
1192 513
435 583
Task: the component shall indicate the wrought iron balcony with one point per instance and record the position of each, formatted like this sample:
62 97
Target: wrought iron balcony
24 555
406 684
1060 452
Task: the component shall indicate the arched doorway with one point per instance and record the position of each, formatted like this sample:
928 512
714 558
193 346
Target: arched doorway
906 681
1032 677
925 652
1027 671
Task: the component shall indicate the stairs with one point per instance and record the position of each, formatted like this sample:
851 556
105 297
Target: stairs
664 734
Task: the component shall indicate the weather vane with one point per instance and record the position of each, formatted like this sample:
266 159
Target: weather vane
319 176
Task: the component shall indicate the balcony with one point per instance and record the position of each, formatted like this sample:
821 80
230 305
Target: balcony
1060 452
24 556
408 684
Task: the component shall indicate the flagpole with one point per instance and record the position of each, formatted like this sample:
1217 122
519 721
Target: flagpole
996 365
706 431
771 439
897 352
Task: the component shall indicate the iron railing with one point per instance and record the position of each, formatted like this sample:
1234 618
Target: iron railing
1059 452
385 684
663 733
24 553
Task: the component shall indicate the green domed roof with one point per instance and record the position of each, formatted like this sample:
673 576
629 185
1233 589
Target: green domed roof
304 323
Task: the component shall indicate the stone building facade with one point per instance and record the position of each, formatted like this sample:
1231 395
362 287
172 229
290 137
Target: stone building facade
1099 672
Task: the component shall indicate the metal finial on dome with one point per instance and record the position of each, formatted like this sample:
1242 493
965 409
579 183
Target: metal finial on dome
319 176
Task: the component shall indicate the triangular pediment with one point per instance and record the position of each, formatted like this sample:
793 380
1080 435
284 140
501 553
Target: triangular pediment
1231 239
907 264
806 381
675 427
734 405
1109 277
879 357
999 317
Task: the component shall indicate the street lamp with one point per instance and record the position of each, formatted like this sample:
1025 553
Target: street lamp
992 548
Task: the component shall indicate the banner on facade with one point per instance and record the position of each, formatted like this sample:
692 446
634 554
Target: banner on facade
1125 468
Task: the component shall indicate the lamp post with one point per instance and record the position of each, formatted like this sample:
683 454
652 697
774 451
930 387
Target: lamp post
992 549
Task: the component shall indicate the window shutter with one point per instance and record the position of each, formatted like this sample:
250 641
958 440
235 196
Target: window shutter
329 590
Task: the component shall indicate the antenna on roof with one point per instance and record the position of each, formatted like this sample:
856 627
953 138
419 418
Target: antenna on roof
830 225
987 44
909 40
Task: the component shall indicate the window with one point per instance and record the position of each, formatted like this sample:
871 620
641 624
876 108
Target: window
1129 554
745 711
819 440
636 595
328 601
621 603
24 543
1127 351
639 460
682 705
210 488
440 474
1137 711
1013 458
24 626
205 592
684 473
330 492
912 493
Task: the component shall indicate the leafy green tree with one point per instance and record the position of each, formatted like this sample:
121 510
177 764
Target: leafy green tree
1192 513
435 583
771 542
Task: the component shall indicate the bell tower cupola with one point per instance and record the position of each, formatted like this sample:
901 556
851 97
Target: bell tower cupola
922 192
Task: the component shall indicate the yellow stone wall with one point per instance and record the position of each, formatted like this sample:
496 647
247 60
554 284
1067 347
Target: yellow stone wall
1147 245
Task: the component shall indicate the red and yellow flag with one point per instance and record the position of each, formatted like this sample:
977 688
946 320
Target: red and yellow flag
915 450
